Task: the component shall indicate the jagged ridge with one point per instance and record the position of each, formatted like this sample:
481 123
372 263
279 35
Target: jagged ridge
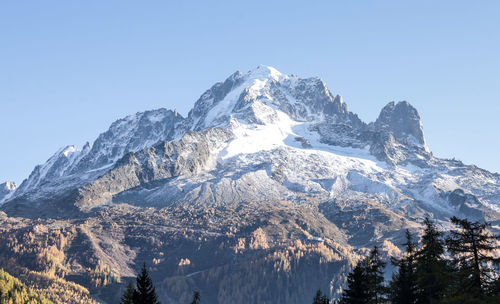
280 106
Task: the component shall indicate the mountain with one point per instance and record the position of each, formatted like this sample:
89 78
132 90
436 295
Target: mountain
269 189
6 190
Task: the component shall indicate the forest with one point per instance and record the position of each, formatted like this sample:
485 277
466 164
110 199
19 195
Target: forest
459 268
12 291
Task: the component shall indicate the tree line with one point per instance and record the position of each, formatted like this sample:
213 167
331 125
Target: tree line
460 268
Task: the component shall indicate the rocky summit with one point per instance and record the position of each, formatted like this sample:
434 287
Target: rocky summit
6 190
269 189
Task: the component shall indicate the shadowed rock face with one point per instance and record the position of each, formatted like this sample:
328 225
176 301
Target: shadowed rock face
131 134
186 157
467 204
269 189
402 121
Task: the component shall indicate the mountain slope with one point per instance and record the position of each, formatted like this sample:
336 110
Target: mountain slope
13 291
268 173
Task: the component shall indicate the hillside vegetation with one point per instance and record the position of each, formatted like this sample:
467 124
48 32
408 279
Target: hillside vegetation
12 291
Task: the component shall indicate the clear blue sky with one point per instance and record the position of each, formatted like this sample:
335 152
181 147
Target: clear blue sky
68 69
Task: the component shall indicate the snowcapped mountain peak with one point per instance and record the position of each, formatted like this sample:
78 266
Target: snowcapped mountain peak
261 103
64 154
6 190
268 127
55 167
253 96
263 72
9 186
69 150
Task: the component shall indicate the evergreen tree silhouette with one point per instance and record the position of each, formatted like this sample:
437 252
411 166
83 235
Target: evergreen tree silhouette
365 284
196 298
425 274
403 286
432 269
472 248
376 289
129 295
356 292
320 298
145 291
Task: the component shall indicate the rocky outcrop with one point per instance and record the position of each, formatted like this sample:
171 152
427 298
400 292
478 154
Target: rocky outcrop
403 122
193 153
467 204
6 190
131 134
397 136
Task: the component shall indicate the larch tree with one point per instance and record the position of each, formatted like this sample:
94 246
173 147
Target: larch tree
471 248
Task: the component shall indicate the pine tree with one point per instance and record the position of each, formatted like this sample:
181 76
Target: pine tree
471 248
129 295
356 291
196 298
320 298
146 293
365 284
375 277
403 286
432 271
